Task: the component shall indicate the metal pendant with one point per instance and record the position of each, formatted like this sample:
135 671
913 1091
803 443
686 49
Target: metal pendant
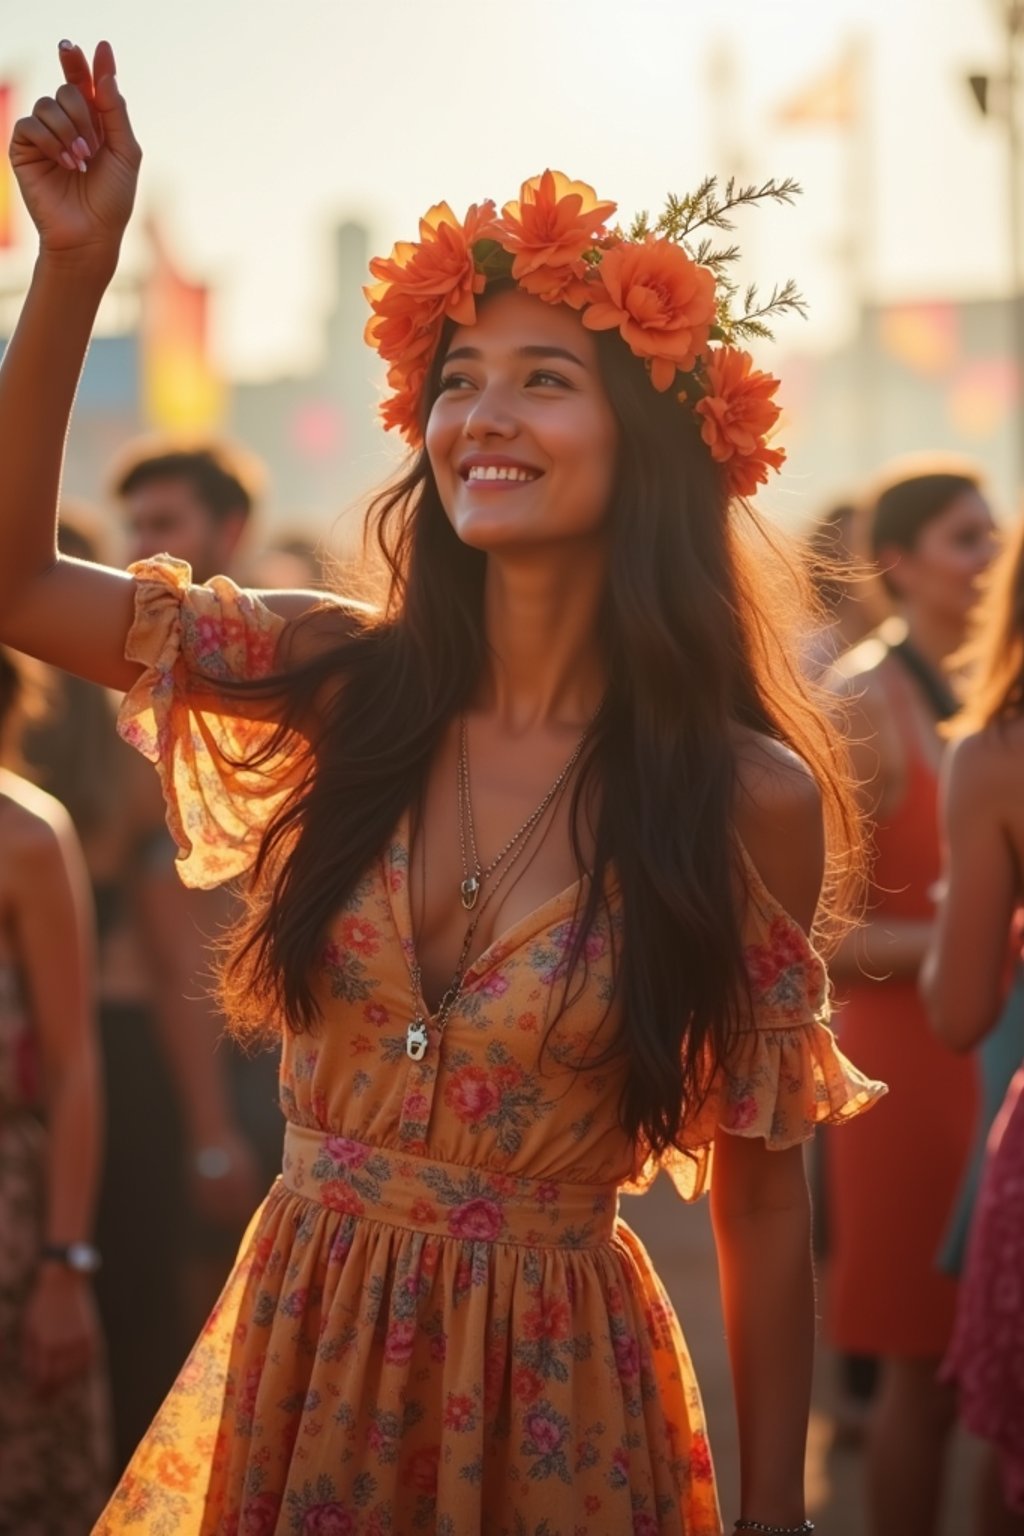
469 890
416 1040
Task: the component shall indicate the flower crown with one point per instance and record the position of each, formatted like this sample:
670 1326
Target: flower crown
669 302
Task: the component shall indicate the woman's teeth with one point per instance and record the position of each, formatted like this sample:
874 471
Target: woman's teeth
493 472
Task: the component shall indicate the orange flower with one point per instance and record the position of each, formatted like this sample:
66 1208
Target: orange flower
737 416
420 285
552 224
662 302
402 409
559 285
403 327
437 271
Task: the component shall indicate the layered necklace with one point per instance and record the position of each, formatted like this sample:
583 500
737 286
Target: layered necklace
475 877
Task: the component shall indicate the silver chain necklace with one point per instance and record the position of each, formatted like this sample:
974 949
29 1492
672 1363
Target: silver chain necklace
473 878
417 1037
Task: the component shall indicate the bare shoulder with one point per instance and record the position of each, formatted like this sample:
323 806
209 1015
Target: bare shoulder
317 622
985 767
35 829
778 818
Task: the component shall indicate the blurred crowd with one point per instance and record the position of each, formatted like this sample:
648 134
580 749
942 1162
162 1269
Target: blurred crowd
112 1050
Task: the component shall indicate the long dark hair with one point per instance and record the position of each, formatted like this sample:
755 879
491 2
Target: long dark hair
694 645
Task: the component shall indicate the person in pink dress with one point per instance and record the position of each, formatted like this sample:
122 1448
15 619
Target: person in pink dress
964 982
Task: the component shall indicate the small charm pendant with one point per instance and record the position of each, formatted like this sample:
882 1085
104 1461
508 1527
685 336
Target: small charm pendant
469 891
416 1040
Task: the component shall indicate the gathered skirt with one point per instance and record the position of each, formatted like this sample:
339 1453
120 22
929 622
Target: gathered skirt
406 1345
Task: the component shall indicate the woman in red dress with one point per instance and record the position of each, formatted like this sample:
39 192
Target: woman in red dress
892 1182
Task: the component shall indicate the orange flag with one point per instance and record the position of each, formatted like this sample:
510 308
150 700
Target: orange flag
6 174
830 99
182 391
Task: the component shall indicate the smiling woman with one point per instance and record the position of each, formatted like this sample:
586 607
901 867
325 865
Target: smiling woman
522 438
532 854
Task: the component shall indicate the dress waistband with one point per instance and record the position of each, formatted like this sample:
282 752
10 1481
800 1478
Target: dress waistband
446 1199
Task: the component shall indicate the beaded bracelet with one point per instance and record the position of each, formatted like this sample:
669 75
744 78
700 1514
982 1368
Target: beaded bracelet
774 1530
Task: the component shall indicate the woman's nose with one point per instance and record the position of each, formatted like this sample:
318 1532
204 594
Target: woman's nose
491 414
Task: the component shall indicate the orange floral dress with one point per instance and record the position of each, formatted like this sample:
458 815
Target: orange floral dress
437 1321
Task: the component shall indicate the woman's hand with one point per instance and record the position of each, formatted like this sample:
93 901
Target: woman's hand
61 1329
77 161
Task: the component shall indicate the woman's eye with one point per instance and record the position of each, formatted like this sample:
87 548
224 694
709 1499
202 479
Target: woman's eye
544 377
450 381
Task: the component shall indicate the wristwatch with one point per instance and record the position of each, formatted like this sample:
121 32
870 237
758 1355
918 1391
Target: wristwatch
83 1258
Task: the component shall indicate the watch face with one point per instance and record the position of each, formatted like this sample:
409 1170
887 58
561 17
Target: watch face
83 1257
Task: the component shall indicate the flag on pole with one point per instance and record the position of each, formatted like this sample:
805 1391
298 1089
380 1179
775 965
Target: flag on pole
827 100
182 390
6 174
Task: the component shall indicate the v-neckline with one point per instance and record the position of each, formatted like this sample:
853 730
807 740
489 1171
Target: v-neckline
398 865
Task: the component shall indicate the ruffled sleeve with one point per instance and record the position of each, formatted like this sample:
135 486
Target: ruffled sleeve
190 640
786 1074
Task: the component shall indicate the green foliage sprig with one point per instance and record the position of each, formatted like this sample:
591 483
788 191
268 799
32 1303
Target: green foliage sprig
710 208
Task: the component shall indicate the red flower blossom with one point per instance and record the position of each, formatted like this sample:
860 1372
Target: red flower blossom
360 935
472 1094
399 1342
549 1319
527 1386
338 1195
480 1219
700 1458
420 1470
459 1411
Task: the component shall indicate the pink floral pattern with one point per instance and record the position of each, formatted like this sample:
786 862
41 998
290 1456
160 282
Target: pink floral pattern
438 1322
986 1357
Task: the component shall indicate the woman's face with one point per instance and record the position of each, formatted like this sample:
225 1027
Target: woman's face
522 438
940 574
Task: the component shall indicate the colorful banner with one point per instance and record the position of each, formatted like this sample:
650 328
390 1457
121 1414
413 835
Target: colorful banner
7 189
182 391
923 337
830 99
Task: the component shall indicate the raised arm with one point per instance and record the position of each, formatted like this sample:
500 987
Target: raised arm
76 161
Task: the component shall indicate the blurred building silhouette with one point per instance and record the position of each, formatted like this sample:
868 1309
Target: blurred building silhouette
316 432
923 375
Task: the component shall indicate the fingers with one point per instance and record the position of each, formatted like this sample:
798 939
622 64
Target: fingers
103 62
76 67
63 128
111 111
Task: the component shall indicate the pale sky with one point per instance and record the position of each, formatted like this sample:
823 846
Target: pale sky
263 124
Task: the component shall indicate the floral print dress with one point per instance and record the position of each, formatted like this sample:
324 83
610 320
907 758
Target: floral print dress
54 1448
437 1321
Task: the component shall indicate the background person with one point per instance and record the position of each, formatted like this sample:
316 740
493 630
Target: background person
893 1180
964 984
54 1432
75 754
197 502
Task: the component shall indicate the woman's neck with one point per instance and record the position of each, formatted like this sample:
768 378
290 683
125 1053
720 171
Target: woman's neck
541 618
934 638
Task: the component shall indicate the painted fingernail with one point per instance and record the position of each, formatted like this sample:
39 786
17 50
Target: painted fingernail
80 149
65 46
81 166
67 162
